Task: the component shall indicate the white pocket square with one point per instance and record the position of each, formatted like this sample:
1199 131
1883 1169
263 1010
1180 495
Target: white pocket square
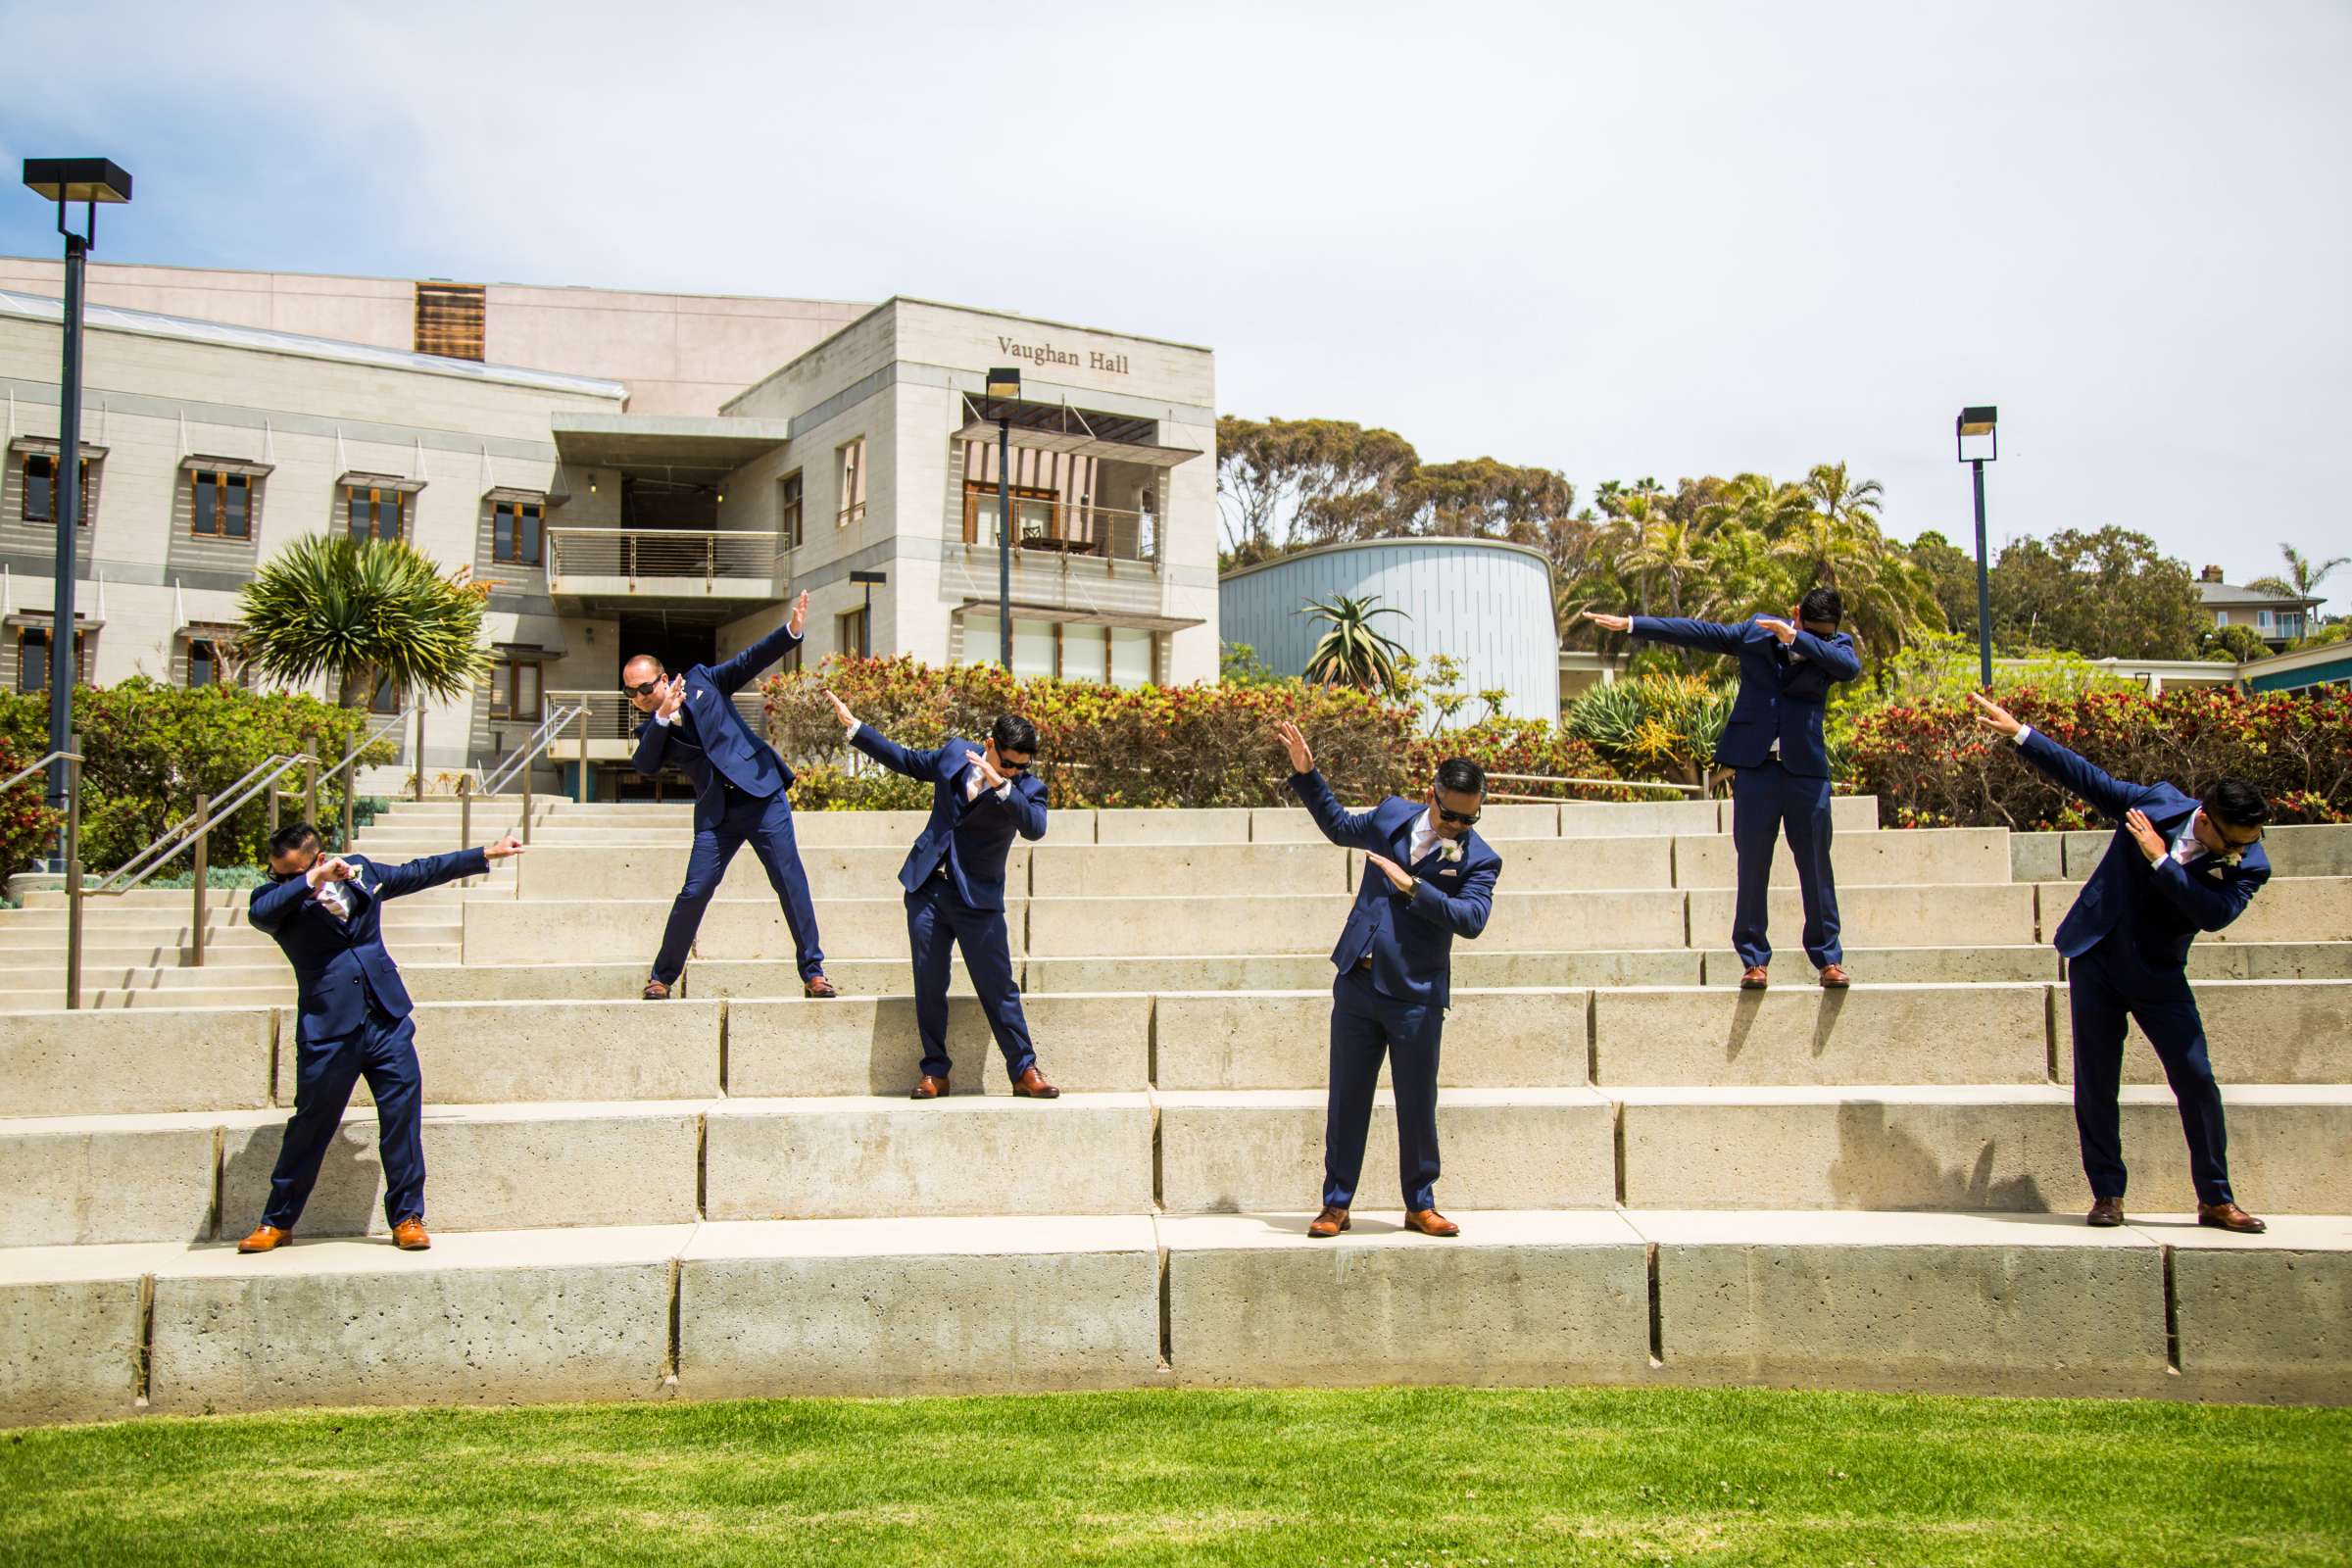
1450 871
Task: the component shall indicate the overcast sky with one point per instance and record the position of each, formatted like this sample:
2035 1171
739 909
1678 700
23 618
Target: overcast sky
1616 239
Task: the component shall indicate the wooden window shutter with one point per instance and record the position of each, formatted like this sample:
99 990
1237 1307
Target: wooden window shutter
449 319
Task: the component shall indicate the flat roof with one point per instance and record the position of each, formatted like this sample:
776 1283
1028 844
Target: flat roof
1405 541
221 334
507 282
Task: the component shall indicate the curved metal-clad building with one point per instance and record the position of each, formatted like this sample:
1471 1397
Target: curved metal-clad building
1487 602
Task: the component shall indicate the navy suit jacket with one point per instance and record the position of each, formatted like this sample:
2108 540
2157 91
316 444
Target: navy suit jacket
2158 910
723 750
972 837
341 965
1780 698
1410 937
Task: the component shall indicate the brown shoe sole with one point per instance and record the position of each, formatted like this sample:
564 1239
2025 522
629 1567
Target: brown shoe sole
2255 1229
1020 1092
256 1251
1322 1236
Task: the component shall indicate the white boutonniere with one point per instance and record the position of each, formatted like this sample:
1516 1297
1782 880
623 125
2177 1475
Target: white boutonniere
1449 848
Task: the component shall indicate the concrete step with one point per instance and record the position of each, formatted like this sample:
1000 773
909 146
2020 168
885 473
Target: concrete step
2007 1148
241 955
573 1047
1945 1303
399 915
2293 849
149 898
505 933
2299 909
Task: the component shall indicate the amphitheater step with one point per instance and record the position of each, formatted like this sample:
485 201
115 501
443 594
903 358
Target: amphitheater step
1946 1303
2289 909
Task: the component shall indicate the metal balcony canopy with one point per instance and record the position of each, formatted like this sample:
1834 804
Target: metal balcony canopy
672 446
1059 427
1077 616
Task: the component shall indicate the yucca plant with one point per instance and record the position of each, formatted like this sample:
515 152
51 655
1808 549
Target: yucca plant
1353 652
363 611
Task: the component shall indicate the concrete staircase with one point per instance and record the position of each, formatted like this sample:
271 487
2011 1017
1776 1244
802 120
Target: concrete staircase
1661 1179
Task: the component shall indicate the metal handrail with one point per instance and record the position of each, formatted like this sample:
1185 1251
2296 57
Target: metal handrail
23 774
535 743
170 849
187 825
369 738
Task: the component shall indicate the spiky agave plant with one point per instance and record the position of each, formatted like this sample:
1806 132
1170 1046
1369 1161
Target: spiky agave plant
363 611
1351 652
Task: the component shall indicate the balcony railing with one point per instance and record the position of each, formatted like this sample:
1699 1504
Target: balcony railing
609 716
660 560
1047 524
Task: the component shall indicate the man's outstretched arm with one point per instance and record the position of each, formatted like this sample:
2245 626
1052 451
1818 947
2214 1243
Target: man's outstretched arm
2108 796
731 676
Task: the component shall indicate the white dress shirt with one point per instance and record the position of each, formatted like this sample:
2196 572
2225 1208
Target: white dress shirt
1425 837
335 898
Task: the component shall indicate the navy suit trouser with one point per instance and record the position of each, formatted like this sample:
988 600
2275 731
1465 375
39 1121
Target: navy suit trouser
383 1050
2105 986
1766 801
1365 1027
938 923
764 821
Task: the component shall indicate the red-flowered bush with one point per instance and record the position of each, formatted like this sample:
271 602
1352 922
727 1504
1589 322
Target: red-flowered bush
1932 765
27 826
1147 746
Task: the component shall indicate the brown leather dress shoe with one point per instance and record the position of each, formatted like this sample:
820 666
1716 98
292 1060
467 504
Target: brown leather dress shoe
265 1238
817 985
1833 977
928 1088
654 990
2106 1212
2229 1218
1429 1222
1332 1220
1753 978
1033 1086
409 1236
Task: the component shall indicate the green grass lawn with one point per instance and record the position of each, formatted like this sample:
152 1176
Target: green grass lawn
1388 1477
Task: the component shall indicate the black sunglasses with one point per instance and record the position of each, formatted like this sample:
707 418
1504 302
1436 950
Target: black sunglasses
644 689
1004 765
1466 821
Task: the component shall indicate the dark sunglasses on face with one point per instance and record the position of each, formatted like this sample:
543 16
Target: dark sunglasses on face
643 688
1010 768
1465 820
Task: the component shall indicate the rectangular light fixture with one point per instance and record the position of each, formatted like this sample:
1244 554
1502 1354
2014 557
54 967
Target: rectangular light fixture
869 576
78 180
1004 384
1977 421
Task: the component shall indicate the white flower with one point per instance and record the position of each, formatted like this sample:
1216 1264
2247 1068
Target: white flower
1449 848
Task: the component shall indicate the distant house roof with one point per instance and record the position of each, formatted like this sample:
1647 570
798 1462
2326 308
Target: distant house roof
148 323
2229 596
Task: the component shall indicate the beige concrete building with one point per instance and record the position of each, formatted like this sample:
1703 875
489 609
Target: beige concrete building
608 529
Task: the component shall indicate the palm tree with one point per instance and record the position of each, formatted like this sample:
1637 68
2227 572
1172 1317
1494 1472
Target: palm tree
1353 652
2303 575
363 611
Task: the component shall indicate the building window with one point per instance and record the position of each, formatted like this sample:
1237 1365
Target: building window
852 493
32 658
40 489
1134 655
1033 512
516 534
385 699
515 691
204 664
375 511
787 510
1085 653
223 505
851 627
2290 624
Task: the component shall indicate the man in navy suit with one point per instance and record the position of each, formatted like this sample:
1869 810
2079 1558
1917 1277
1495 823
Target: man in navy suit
981 797
1781 779
354 1018
740 787
2177 867
1427 879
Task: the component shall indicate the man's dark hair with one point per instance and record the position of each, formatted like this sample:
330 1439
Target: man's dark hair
1014 733
1459 775
1822 603
293 835
2237 803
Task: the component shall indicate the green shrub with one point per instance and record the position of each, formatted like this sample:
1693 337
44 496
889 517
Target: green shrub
1149 746
152 748
28 827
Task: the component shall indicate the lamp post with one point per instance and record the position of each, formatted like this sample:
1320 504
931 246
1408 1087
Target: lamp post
1977 424
1004 389
90 181
865 621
